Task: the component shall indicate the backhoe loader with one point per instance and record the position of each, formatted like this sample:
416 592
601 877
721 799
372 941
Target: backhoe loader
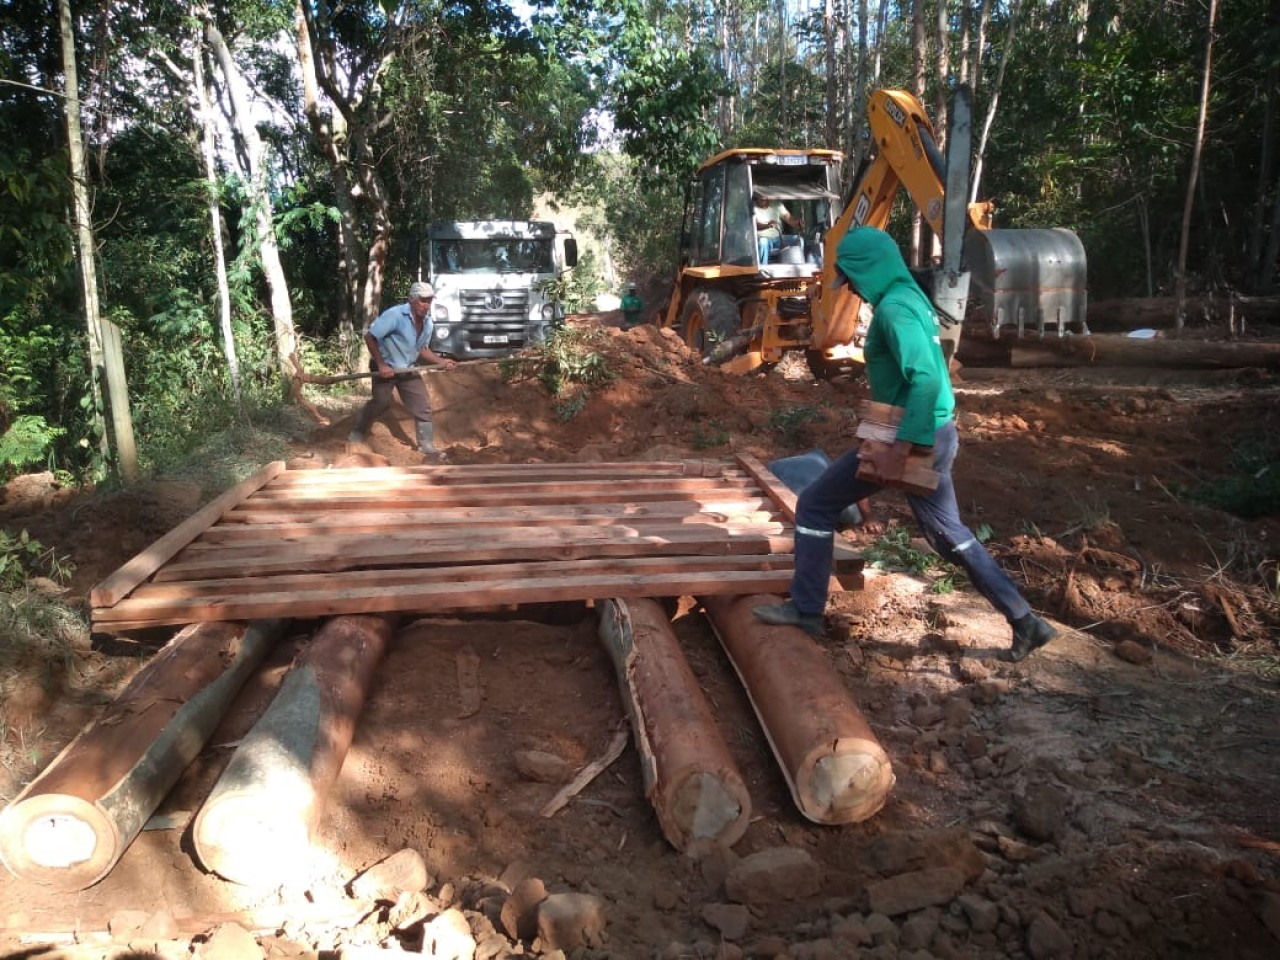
742 312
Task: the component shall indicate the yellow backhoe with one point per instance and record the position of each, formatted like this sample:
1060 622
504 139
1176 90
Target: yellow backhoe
743 303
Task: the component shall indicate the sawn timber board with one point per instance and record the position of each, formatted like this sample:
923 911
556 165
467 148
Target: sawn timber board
315 543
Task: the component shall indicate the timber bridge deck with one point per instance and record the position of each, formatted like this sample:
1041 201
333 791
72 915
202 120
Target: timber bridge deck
444 539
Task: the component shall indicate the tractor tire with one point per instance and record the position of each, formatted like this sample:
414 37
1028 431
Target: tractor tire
709 318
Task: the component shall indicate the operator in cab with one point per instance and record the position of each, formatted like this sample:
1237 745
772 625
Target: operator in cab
770 215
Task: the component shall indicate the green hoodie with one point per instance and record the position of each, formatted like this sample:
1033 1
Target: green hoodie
903 353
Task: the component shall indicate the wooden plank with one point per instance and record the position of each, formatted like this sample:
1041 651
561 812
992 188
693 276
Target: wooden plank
426 598
299 557
473 473
144 564
340 522
484 497
447 537
471 573
569 490
777 491
786 500
250 513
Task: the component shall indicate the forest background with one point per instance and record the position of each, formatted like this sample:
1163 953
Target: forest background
220 187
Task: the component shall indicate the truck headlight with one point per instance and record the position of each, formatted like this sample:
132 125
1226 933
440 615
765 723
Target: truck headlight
441 333
548 312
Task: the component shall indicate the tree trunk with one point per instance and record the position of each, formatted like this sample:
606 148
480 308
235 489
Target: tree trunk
942 71
980 48
858 97
689 774
1014 8
69 827
784 101
918 43
833 85
1259 270
330 130
1196 151
255 178
204 124
110 368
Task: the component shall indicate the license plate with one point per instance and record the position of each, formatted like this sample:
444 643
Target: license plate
495 338
792 160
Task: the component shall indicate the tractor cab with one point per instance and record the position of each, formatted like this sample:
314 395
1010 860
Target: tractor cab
734 187
732 284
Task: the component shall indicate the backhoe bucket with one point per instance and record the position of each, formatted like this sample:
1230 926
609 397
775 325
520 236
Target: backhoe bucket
1028 279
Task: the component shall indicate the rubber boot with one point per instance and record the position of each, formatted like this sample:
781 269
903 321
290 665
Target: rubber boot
426 440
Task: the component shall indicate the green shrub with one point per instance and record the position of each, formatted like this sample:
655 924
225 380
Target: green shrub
1252 489
789 422
22 557
895 552
28 441
570 355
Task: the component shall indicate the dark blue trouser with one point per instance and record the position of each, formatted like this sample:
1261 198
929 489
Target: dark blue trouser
821 503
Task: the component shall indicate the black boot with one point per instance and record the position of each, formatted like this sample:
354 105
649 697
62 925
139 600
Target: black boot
1030 633
785 614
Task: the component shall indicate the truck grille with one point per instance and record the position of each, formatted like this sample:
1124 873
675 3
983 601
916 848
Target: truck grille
492 314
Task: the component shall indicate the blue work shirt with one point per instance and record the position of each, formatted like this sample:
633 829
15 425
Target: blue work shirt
398 339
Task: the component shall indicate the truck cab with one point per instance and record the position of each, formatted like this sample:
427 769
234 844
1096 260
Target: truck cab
491 280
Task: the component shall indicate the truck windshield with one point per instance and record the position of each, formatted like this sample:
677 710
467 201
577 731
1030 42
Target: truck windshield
504 255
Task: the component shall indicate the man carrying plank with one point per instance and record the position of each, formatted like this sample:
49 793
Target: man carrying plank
906 369
396 340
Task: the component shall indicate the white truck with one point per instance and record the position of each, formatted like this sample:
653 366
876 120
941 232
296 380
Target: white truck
490 284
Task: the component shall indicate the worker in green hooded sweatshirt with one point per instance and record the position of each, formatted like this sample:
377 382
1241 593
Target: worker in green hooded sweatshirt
906 368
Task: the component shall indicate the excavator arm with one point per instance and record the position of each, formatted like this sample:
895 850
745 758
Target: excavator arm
906 157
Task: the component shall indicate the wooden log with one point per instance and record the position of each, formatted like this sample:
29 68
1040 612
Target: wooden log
256 826
71 824
1162 312
1109 350
836 769
690 777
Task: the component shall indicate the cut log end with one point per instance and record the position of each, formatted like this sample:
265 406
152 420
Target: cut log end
59 841
707 807
247 842
846 784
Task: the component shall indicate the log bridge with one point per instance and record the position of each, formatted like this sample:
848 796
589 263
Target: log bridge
364 548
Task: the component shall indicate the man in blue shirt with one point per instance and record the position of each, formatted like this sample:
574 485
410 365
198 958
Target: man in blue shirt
397 340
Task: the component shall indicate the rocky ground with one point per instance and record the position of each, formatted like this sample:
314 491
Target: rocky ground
1116 795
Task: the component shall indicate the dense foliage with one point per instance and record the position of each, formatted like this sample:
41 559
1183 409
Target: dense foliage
477 108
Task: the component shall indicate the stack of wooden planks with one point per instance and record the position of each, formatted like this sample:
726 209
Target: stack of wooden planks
421 540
